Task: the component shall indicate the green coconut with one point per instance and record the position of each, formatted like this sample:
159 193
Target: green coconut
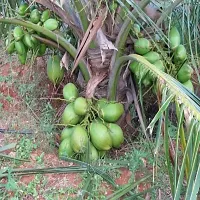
18 33
160 65
101 103
152 56
81 106
180 54
188 84
100 136
54 71
138 69
185 73
112 111
65 148
174 38
66 133
45 15
69 117
79 139
23 9
92 154
51 24
70 92
116 134
35 16
142 46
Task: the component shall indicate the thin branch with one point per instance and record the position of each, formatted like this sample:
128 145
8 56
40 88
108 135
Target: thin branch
137 107
49 43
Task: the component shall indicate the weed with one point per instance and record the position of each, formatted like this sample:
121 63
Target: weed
60 194
95 191
6 79
47 118
24 148
29 190
32 186
40 159
42 111
9 99
27 92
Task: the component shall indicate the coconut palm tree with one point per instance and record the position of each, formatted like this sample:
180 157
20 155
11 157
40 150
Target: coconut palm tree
106 33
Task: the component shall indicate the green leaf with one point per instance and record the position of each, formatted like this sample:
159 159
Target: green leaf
127 188
160 112
180 121
86 186
194 186
183 165
7 147
167 149
159 129
12 4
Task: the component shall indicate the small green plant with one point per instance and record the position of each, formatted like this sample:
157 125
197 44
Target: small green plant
95 191
47 118
40 159
24 148
9 98
6 79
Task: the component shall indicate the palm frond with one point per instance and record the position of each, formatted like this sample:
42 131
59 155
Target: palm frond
187 135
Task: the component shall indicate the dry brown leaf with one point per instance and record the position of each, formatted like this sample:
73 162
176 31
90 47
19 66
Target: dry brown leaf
90 34
80 80
65 61
104 44
128 119
92 84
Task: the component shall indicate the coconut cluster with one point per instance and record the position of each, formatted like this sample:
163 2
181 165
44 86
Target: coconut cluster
90 126
23 41
181 70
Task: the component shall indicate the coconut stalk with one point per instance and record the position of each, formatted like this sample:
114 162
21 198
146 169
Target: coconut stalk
49 43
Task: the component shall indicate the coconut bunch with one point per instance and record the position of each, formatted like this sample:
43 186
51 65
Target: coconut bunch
181 70
24 40
90 126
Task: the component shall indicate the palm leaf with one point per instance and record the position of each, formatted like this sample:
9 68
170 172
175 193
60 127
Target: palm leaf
185 136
